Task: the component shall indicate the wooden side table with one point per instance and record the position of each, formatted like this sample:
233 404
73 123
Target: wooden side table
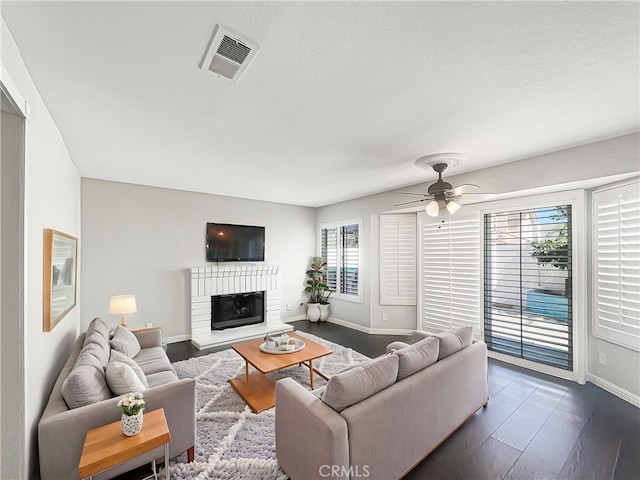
105 447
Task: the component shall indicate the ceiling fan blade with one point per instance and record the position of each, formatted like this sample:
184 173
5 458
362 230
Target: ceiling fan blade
413 201
458 190
412 193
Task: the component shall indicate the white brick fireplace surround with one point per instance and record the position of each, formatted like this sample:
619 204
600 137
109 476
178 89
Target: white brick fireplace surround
229 279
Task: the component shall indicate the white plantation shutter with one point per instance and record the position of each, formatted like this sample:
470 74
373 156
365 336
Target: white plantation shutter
616 265
451 272
398 259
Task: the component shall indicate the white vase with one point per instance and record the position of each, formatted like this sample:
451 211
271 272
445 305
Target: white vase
313 312
131 424
324 312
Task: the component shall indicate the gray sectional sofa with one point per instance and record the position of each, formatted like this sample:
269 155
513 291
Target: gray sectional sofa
81 400
380 419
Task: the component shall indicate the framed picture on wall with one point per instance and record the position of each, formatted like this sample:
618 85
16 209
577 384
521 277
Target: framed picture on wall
60 262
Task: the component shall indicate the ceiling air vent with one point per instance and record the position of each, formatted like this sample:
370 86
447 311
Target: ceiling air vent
228 55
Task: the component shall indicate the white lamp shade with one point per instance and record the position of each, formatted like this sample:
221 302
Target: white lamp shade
453 207
123 304
432 208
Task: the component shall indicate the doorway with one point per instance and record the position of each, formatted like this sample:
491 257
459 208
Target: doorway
12 374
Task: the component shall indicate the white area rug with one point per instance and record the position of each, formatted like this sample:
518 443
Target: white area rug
232 442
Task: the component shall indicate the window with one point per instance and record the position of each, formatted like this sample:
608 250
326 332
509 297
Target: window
527 284
450 272
340 247
398 259
616 265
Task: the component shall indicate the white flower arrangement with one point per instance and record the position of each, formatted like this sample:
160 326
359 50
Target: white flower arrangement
131 403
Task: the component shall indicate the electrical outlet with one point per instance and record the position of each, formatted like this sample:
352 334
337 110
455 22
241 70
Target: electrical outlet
602 358
288 307
385 317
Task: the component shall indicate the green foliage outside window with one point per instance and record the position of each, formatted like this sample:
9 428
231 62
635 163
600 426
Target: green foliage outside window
555 251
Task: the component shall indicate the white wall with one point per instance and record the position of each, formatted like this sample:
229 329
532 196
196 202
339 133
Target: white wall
52 191
598 161
141 240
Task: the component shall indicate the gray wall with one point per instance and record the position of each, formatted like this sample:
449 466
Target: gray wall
141 240
599 161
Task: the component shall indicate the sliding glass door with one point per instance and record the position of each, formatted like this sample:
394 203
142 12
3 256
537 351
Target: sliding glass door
527 284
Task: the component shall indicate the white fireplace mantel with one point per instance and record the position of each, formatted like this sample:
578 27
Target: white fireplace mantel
228 279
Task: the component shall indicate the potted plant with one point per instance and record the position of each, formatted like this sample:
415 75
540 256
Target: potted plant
324 305
316 286
131 405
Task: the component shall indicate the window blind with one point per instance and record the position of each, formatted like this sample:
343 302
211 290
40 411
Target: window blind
616 265
527 283
350 259
340 247
450 269
329 251
398 259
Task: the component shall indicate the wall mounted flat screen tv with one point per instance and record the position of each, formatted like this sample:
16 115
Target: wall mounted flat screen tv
234 243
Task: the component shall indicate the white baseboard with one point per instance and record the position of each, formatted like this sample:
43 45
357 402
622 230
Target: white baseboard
370 331
293 319
177 338
337 321
614 389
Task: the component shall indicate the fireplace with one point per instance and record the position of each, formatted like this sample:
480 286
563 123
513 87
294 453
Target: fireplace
237 310
225 280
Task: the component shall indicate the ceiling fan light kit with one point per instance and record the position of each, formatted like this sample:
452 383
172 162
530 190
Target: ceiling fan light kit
440 194
432 208
453 207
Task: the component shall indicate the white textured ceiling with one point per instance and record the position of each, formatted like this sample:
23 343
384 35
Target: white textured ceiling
341 98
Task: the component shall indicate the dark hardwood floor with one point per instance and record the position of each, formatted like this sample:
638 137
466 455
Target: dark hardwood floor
535 426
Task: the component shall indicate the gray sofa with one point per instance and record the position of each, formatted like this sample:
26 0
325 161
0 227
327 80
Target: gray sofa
62 430
384 435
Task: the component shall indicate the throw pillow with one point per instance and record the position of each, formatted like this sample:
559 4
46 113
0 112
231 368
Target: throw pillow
122 379
99 326
122 358
87 357
85 385
98 340
451 342
358 383
415 357
124 341
98 352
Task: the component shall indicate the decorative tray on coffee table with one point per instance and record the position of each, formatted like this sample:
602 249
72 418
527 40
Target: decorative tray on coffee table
299 345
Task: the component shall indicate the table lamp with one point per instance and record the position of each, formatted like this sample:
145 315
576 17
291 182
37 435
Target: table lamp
123 304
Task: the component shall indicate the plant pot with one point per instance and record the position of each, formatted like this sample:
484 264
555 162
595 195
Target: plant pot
324 312
131 424
313 312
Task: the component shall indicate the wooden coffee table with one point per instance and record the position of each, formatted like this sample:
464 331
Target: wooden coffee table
258 390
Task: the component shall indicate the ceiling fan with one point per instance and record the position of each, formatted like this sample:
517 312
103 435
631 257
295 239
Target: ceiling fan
441 193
